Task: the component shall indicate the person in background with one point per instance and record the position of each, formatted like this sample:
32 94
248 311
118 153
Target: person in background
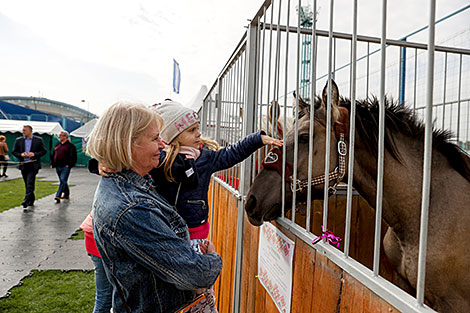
3 156
188 161
143 242
104 289
28 150
63 159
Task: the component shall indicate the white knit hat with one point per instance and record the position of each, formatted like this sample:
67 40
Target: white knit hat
176 117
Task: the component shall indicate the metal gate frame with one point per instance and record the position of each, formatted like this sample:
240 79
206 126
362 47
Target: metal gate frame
246 66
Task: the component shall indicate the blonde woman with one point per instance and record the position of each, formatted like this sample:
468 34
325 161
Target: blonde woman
189 160
143 242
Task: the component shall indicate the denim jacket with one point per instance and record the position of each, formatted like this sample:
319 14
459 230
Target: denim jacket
145 247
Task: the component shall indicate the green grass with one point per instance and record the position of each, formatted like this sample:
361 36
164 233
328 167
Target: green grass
78 235
52 292
13 192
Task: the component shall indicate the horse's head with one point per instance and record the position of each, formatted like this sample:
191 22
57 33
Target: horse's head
264 197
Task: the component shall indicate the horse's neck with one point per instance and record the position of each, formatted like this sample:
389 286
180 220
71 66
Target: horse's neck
402 185
401 182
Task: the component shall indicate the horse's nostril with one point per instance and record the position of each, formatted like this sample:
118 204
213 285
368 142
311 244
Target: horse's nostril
250 203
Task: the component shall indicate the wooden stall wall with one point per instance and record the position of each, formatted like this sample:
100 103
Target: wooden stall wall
224 237
318 284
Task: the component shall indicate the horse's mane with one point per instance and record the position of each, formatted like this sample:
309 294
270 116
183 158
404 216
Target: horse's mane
399 118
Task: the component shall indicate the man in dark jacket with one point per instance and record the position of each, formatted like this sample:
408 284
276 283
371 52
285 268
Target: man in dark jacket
29 149
64 158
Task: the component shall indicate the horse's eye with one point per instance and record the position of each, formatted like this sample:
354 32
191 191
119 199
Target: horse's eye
303 138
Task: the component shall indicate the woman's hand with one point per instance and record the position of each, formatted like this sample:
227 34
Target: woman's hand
207 247
271 141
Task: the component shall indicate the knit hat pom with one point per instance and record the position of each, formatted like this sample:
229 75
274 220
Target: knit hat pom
176 117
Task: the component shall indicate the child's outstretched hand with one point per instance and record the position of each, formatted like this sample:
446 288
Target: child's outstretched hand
271 141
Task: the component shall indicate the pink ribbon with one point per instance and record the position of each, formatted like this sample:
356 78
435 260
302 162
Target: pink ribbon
330 238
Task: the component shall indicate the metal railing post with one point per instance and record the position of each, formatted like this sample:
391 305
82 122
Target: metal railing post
245 168
423 233
218 106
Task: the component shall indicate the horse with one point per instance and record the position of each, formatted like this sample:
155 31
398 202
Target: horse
447 287
273 123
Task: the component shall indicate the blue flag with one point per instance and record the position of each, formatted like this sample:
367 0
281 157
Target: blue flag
176 77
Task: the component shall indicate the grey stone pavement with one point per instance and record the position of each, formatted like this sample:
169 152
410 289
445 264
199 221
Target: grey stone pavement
40 239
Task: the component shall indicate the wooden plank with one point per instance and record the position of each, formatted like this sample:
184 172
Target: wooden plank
230 249
357 298
260 298
222 244
216 236
270 306
257 293
327 285
246 287
303 277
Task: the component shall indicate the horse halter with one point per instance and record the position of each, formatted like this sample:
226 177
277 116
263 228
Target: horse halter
273 160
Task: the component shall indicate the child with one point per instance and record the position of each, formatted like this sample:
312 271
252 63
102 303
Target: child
189 160
104 289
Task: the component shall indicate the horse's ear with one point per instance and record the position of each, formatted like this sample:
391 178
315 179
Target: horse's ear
304 107
274 111
334 99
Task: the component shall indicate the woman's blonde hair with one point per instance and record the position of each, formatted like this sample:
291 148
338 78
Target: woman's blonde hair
174 149
112 138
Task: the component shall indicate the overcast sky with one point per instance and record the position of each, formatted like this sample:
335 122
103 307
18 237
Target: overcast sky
105 51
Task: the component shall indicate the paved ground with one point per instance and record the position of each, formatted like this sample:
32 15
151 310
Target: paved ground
39 239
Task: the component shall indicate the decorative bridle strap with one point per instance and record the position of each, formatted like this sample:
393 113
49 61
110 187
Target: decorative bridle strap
273 160
337 174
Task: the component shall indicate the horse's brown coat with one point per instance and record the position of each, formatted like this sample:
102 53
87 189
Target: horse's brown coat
448 266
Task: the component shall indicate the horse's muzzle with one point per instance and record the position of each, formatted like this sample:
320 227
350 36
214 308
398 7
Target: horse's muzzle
250 207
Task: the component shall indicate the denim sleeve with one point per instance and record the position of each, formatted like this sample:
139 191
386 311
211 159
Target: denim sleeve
145 235
233 154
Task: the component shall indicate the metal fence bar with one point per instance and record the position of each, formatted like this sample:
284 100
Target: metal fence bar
244 180
256 166
328 120
283 187
296 142
219 110
261 77
423 234
276 74
380 162
352 132
444 92
268 94
312 115
236 122
368 69
459 95
415 79
377 40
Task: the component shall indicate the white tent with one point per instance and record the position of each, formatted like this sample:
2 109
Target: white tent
13 126
85 130
196 102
